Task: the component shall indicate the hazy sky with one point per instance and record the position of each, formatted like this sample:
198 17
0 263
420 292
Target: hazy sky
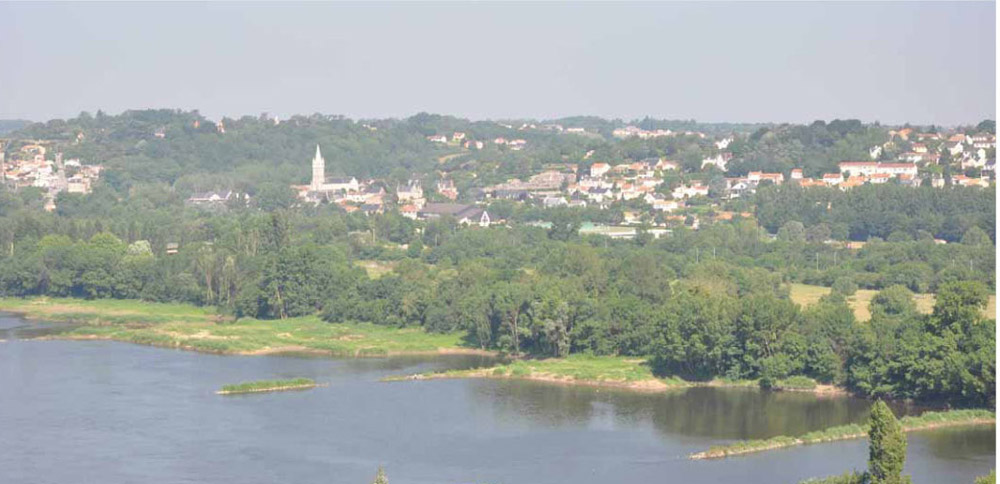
797 62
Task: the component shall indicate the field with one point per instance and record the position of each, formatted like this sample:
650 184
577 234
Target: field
806 295
376 269
200 329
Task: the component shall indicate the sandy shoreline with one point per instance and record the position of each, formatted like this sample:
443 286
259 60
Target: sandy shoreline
645 386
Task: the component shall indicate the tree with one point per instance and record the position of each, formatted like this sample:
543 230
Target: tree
886 447
792 231
380 477
565 226
893 301
845 286
976 236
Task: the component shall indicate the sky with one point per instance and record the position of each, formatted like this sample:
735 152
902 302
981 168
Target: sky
925 63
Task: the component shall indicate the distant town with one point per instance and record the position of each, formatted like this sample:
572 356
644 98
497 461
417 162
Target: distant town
660 192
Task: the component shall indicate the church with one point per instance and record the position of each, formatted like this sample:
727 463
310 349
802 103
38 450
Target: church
320 188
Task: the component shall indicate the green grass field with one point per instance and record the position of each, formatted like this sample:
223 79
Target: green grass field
189 327
806 295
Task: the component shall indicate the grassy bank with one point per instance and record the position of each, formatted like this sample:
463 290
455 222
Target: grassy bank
200 329
806 295
928 420
268 386
584 370
604 371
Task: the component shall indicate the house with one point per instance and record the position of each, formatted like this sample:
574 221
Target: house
874 152
796 174
736 187
983 140
919 148
719 161
598 170
693 190
599 195
172 248
868 168
756 177
470 144
964 181
457 136
464 214
857 168
412 191
833 179
666 206
851 182
955 148
211 198
879 178
409 211
663 165
438 138
447 189
551 202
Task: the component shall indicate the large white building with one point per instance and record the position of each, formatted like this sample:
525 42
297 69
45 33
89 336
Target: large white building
866 168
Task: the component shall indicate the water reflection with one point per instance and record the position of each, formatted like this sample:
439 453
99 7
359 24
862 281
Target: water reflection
720 413
75 411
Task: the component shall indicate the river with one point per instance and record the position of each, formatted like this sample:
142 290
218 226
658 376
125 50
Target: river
107 412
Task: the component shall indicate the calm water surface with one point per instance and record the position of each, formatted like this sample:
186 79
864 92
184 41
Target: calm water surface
106 412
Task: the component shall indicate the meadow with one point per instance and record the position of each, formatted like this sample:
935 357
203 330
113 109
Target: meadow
806 295
201 329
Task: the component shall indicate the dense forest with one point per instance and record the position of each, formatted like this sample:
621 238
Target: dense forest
700 304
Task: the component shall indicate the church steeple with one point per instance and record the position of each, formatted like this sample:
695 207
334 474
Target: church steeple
318 170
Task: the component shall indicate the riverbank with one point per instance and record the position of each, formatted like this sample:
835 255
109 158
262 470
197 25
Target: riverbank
926 421
194 328
605 372
262 386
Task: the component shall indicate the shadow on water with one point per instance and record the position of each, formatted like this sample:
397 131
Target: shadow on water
14 327
718 413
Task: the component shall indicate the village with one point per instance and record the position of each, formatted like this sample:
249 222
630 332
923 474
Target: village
33 167
657 193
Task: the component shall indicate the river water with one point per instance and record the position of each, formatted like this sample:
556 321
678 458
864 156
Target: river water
107 412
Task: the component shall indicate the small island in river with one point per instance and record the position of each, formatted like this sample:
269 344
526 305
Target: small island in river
268 386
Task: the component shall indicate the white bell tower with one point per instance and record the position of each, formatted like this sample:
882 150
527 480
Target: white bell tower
319 171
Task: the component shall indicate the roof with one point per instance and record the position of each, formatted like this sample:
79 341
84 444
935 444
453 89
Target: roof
457 210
